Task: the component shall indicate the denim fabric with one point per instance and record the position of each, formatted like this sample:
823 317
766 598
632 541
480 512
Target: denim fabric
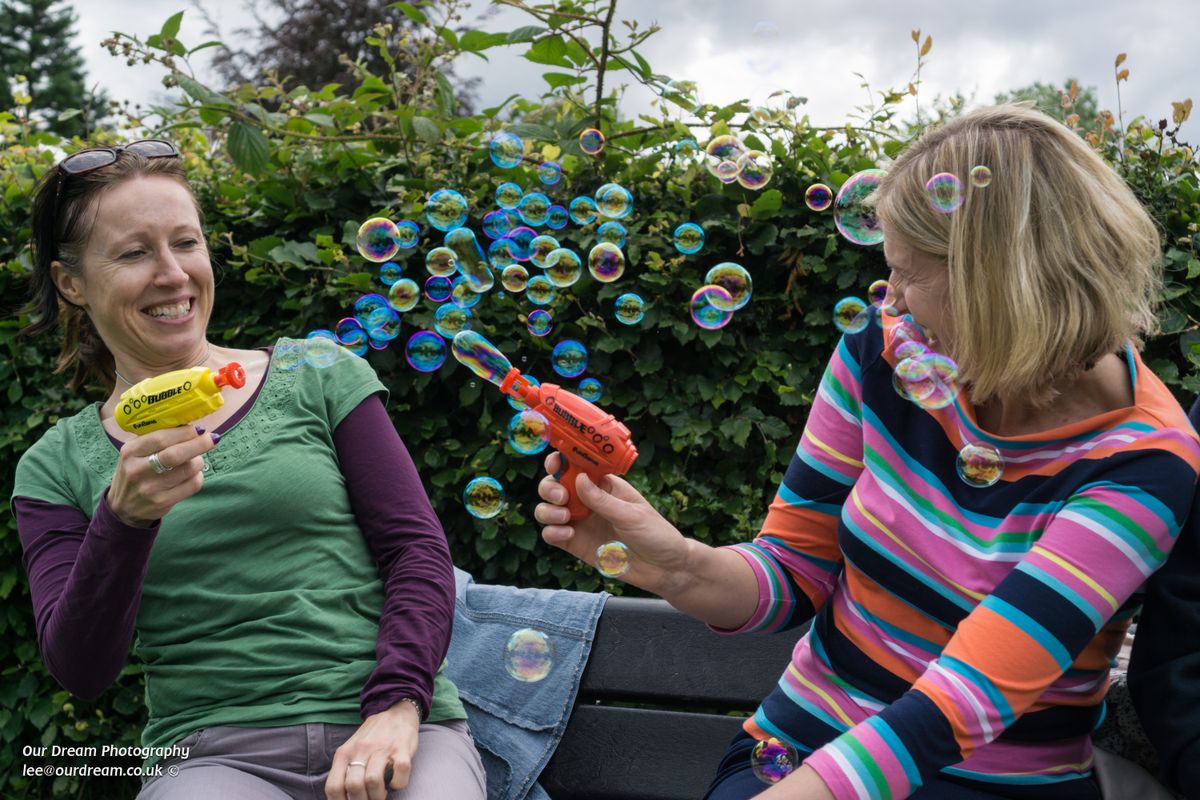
518 725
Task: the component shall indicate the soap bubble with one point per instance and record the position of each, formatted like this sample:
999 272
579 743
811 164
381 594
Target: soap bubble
727 172
878 292
364 307
582 210
514 278
528 655
818 197
390 272
521 238
541 247
979 464
539 322
591 141
946 373
754 169
461 293
408 234
945 192
910 350
549 172
689 238
377 239
557 218
709 307
630 308
981 176
404 295
540 290
773 759
614 201
735 280
612 559
484 497
501 253
528 432
384 324
446 210
441 261
450 320
321 349
352 335
287 356
686 147
726 148
534 209
612 232
569 358
437 288
590 389
471 261
906 330
508 194
914 380
851 315
425 351
566 267
507 149
516 403
495 224
852 215
606 262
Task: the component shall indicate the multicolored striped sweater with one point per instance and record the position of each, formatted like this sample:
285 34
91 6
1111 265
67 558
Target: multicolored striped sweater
959 631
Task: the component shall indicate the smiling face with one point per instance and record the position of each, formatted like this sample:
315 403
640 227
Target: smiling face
920 286
144 277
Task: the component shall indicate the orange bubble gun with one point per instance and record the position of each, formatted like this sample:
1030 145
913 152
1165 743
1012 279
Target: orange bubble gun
176 398
589 439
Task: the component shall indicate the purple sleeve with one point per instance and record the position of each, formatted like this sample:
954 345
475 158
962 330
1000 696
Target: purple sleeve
407 541
85 579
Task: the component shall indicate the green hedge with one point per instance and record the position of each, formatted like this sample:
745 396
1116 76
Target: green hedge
285 177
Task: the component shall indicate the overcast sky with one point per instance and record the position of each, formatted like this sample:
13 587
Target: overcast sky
749 48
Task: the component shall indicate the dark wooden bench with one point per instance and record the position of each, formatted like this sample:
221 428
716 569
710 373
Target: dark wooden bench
647 654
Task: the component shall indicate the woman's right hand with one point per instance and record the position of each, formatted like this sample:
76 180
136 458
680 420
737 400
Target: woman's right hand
139 495
659 553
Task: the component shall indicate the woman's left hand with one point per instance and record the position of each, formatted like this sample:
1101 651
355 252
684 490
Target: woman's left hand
387 740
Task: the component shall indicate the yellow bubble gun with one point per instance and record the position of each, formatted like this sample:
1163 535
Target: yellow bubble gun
176 398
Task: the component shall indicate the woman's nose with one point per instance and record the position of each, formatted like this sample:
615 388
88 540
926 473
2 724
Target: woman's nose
168 269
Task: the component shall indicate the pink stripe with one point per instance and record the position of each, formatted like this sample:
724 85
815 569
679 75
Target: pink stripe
1037 559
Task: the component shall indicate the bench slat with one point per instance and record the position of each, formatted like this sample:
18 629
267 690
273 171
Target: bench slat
645 651
637 754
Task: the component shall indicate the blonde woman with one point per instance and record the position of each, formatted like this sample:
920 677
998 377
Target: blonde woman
962 620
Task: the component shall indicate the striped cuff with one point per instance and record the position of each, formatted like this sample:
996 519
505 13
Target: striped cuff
776 594
868 762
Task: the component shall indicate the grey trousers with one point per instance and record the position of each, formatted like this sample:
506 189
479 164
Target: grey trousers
293 762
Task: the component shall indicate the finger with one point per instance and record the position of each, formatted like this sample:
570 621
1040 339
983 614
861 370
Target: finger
376 789
560 536
400 769
552 491
614 509
355 781
159 440
185 451
550 514
554 463
622 489
335 784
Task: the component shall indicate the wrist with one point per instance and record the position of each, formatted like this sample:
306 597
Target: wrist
409 705
679 581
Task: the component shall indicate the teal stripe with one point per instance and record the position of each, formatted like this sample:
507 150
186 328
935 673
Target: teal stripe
1063 589
847 358
812 461
780 587
793 499
898 633
1146 499
770 727
861 768
1030 626
805 705
885 731
832 567
984 684
929 583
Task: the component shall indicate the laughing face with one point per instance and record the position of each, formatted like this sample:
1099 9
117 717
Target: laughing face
145 278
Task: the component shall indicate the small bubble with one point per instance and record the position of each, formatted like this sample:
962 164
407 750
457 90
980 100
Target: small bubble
981 176
569 358
979 464
539 322
425 351
590 389
549 172
735 280
506 149
508 194
606 262
818 197
591 141
945 192
528 655
689 238
850 315
377 239
446 210
612 559
878 293
629 308
773 759
484 497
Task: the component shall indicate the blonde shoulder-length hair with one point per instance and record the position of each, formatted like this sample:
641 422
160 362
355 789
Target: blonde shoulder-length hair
1051 266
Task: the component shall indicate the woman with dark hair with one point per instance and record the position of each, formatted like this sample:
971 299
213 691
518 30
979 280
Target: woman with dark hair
288 591
967 558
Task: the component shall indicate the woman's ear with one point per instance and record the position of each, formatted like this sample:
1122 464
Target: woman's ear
68 285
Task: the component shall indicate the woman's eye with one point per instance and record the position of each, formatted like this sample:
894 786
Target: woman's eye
131 254
189 243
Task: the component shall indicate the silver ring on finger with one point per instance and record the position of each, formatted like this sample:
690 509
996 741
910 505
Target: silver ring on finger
157 466
362 764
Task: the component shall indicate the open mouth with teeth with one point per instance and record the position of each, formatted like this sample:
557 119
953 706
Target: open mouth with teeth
171 311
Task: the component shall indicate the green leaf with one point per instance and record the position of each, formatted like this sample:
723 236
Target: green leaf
532 130
412 12
524 34
474 41
427 129
201 93
767 204
170 28
643 64
205 46
449 37
550 50
445 94
557 79
248 148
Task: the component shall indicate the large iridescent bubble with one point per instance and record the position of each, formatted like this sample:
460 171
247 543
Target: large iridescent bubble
377 240
582 210
735 280
529 655
689 238
591 141
507 149
534 209
450 320
541 247
565 267
541 290
549 172
528 432
629 308
425 351
446 210
709 307
404 295
539 322
722 149
514 278
508 194
441 261
818 197
945 192
852 213
606 262
569 358
483 497
773 759
614 201
755 169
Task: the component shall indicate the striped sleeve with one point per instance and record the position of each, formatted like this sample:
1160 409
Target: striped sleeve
795 556
1100 547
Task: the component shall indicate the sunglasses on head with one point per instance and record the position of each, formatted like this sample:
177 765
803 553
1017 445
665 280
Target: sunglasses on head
95 158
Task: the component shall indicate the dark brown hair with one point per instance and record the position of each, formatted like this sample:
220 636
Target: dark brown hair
62 237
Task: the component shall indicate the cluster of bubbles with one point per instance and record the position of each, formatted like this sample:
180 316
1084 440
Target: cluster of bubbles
528 655
731 161
945 189
727 287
